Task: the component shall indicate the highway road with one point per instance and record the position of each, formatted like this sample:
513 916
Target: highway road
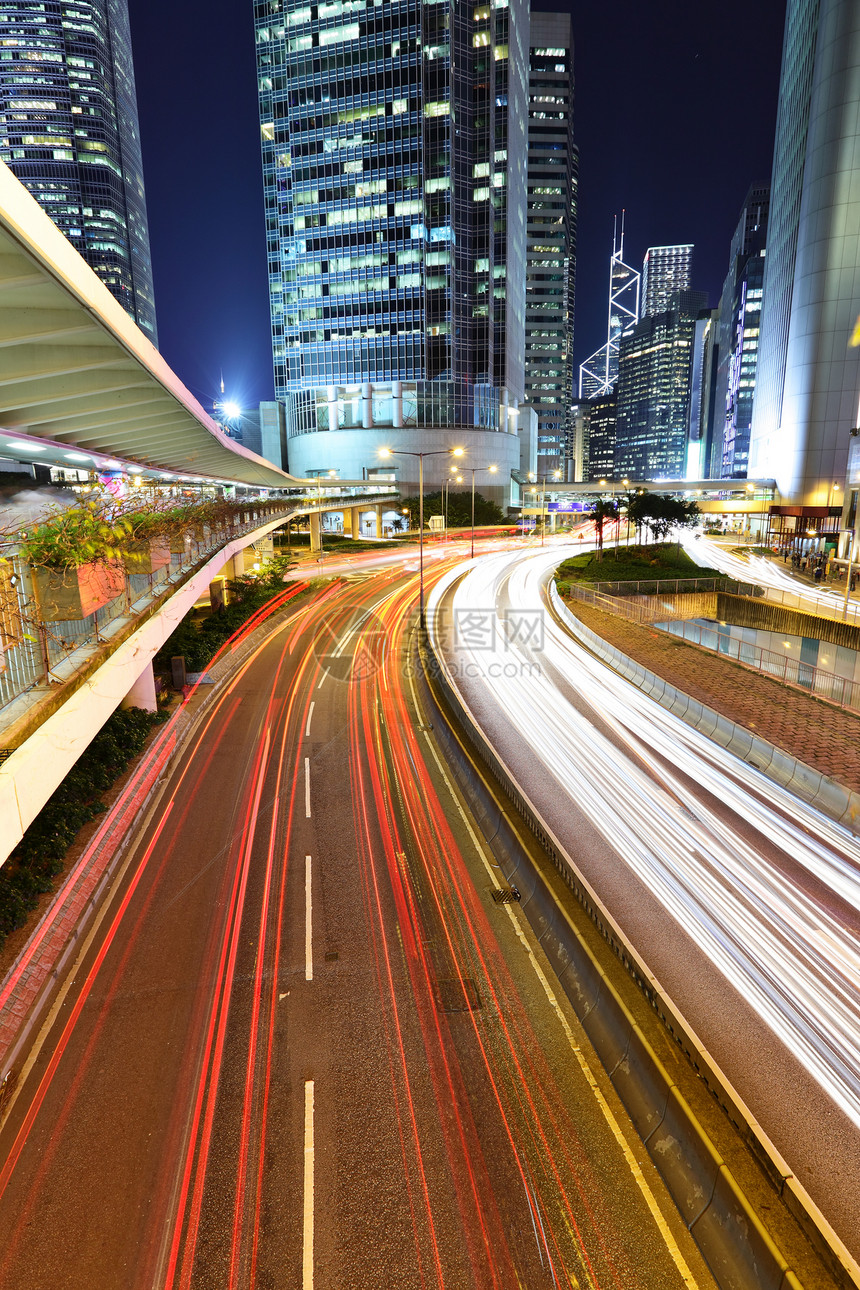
743 901
301 1045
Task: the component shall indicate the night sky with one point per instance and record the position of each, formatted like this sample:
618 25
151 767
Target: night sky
675 113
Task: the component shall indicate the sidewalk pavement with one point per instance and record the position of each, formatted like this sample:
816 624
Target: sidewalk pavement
818 733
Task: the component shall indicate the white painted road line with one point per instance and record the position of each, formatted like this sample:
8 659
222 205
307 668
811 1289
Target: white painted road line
309 959
310 714
308 1224
307 788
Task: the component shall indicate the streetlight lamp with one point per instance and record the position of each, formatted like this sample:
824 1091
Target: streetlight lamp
474 470
441 452
446 491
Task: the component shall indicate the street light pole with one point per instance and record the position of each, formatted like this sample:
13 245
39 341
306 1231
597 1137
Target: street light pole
400 452
474 470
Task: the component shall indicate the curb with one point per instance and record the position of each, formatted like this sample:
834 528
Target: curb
733 1240
812 786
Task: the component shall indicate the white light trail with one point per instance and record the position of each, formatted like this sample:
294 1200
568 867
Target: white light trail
648 791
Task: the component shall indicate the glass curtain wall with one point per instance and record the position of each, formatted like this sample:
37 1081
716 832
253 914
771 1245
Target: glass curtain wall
69 132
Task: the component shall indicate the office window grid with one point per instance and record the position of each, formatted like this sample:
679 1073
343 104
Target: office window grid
551 235
69 132
371 151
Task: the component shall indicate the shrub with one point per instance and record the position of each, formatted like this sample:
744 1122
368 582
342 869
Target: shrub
38 858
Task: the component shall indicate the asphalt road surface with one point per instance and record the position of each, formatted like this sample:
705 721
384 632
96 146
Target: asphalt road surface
743 901
302 1046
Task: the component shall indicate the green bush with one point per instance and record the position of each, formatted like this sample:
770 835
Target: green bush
198 642
38 858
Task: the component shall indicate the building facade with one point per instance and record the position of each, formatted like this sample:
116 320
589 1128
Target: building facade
599 373
655 370
740 322
808 377
69 131
602 414
396 228
665 270
550 234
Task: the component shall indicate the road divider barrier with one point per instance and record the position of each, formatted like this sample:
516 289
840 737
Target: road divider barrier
831 798
732 1238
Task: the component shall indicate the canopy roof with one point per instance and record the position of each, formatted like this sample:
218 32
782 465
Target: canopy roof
78 374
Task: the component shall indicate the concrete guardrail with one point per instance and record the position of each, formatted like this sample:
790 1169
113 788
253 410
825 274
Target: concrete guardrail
733 1240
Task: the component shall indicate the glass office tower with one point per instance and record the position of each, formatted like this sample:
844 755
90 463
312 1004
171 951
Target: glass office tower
394 146
551 235
69 131
808 377
740 321
655 370
665 270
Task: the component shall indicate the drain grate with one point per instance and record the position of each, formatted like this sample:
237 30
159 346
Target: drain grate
457 994
506 895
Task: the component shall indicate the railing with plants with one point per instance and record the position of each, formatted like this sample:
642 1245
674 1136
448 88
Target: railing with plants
67 580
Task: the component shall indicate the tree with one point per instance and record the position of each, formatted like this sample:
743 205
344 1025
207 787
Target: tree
459 508
599 512
661 513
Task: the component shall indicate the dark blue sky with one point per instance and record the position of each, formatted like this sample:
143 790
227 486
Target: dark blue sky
675 112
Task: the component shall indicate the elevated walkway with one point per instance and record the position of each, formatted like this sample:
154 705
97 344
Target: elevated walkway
58 687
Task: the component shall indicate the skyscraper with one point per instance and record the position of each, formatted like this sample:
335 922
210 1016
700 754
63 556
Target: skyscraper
808 376
69 131
396 227
655 369
599 373
666 269
740 319
551 234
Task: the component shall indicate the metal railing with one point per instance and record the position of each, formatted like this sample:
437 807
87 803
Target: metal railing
646 608
678 587
36 651
840 690
830 606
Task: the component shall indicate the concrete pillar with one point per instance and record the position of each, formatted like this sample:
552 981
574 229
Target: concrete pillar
378 510
367 405
397 406
314 518
142 693
355 521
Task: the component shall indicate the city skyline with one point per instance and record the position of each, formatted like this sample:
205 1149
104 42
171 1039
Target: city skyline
674 189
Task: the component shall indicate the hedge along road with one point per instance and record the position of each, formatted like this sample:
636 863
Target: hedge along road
303 1045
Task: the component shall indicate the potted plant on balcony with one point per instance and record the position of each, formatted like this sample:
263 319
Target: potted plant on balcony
76 559
148 545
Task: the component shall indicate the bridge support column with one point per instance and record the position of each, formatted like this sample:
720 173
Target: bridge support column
314 518
378 510
142 693
355 521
